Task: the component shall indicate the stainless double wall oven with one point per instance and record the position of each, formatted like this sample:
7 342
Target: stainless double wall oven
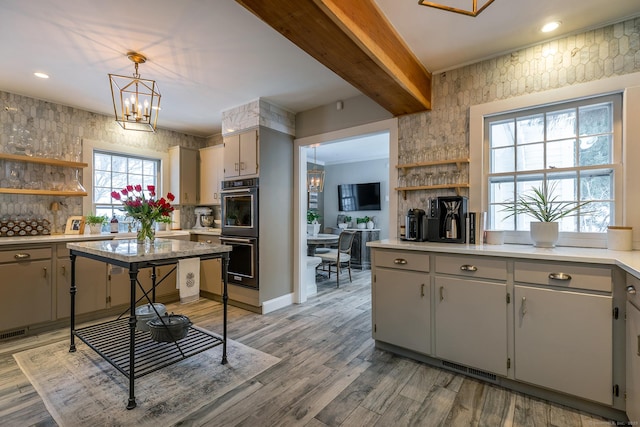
240 230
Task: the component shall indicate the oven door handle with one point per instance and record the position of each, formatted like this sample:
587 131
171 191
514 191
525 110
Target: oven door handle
235 239
239 190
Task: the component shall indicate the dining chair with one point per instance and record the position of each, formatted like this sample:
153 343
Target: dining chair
338 257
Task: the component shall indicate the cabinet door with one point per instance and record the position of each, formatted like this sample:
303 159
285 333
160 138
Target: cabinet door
25 284
402 309
249 153
231 156
211 174
471 323
633 362
183 167
211 276
91 284
563 341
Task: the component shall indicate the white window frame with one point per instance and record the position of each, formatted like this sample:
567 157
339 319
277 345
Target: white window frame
89 146
627 197
616 154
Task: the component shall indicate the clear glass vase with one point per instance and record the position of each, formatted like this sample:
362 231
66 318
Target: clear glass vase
146 231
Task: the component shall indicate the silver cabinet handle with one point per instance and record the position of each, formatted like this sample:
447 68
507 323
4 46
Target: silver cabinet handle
422 290
523 307
44 272
22 255
559 276
64 270
468 267
441 293
631 290
400 261
236 166
638 352
242 166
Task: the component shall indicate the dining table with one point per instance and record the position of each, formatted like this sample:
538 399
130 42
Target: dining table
320 239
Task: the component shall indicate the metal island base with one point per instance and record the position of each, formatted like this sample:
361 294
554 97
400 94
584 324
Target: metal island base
130 351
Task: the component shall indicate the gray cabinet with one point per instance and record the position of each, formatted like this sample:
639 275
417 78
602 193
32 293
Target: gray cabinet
471 323
211 269
211 174
402 300
564 331
26 287
633 361
471 312
91 284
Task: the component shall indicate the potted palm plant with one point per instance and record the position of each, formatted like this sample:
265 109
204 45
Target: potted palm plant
542 206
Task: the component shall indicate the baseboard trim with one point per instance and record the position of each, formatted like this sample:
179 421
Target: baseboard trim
277 303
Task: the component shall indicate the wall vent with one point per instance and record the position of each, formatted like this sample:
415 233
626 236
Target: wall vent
12 334
470 371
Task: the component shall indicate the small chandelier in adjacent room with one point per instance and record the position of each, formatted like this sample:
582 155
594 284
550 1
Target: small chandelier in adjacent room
315 178
136 101
475 10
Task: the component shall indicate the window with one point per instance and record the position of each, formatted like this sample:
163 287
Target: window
574 147
113 172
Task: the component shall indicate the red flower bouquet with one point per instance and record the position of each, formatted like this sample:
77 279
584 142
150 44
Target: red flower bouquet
145 210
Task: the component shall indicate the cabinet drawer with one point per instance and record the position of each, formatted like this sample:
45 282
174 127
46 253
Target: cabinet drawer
209 239
469 266
403 260
18 255
634 298
565 275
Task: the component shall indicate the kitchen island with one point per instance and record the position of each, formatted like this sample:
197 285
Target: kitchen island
547 322
109 339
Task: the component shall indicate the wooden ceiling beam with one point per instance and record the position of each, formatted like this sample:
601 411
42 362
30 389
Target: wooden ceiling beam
355 40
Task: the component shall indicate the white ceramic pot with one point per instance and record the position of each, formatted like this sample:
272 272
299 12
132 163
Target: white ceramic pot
95 228
544 234
370 225
313 229
361 225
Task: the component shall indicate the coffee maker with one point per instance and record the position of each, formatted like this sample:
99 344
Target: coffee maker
446 220
415 229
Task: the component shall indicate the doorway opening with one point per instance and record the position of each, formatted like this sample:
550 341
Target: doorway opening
337 148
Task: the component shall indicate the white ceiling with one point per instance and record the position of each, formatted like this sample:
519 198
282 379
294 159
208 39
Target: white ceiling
211 55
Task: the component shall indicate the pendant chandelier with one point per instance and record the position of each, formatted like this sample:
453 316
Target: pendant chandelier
315 178
136 101
475 10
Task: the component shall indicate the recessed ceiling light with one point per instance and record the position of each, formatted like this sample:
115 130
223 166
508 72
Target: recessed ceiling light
550 26
41 75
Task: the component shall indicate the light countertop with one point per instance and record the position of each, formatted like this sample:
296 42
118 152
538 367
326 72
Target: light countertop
130 251
627 260
65 238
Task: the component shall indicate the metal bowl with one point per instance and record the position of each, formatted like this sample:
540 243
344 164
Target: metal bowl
169 328
206 220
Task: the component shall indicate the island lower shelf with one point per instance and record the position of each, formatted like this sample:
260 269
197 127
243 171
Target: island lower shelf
111 341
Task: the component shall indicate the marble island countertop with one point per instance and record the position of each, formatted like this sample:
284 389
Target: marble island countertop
128 250
627 260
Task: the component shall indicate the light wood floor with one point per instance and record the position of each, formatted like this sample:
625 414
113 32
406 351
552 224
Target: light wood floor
330 375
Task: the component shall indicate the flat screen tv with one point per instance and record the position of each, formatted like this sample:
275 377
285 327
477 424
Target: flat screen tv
359 197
